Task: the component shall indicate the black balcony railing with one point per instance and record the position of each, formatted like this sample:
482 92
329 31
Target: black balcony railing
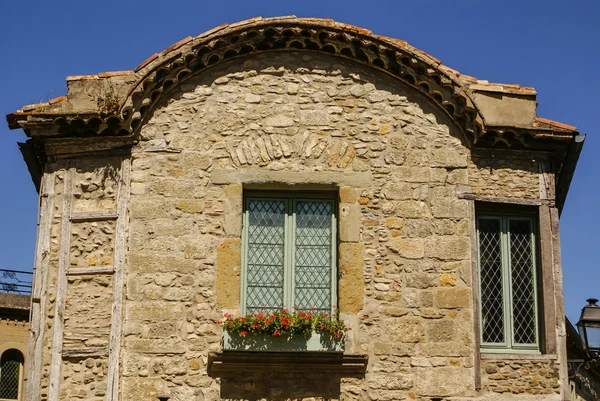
15 281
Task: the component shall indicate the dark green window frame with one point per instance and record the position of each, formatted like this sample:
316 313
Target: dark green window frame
508 283
289 251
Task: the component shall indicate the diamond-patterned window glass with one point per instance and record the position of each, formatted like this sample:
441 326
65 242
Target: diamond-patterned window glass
265 254
492 291
522 281
10 369
313 248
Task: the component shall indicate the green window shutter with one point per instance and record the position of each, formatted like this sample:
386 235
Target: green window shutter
265 253
313 254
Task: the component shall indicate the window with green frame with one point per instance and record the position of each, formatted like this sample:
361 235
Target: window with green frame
289 251
508 283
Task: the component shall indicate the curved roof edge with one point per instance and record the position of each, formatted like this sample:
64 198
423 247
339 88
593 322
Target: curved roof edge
465 98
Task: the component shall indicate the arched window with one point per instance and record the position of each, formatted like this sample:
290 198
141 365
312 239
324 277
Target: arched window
11 369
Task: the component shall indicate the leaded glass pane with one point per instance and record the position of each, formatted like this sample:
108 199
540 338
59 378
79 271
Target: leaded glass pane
490 262
10 366
523 283
265 254
313 249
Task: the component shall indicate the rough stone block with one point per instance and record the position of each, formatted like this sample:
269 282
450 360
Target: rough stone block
440 330
348 195
351 273
229 259
452 298
397 191
448 248
412 209
405 330
189 205
233 210
448 157
443 381
349 222
410 248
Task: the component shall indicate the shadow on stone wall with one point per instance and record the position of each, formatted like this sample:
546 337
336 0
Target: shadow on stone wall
275 386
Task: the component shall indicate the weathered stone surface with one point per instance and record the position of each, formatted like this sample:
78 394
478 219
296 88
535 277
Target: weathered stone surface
411 248
348 195
351 282
443 381
448 248
349 222
452 297
229 259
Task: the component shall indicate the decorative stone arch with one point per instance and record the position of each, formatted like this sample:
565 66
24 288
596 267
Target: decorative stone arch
189 57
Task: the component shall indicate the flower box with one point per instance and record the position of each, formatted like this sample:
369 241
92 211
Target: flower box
315 342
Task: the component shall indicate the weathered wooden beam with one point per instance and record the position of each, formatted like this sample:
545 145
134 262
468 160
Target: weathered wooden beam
84 271
93 216
61 286
81 353
33 363
476 306
112 393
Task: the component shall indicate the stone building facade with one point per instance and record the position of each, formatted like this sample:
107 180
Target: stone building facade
143 177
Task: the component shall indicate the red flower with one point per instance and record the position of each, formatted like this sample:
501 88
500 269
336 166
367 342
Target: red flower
325 314
243 332
276 333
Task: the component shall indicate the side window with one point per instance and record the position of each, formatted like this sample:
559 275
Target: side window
508 283
289 256
11 370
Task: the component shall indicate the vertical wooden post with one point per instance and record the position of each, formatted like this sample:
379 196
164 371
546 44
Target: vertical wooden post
560 308
112 393
37 321
475 291
61 285
547 275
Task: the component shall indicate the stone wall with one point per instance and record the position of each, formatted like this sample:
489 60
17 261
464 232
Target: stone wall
289 121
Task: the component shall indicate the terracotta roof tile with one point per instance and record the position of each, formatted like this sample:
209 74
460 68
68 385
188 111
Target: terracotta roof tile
542 121
177 45
114 74
146 62
57 100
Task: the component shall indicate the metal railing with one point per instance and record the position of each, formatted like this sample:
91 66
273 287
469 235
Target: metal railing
15 281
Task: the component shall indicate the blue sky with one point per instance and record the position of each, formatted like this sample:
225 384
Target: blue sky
550 45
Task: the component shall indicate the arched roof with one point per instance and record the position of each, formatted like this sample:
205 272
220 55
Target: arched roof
176 64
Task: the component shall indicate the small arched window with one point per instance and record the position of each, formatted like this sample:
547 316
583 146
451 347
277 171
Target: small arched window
11 370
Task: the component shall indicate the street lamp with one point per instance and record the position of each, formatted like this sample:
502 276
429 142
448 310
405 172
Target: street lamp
589 327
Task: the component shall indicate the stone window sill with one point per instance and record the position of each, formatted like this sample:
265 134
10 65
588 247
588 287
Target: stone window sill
220 363
521 357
